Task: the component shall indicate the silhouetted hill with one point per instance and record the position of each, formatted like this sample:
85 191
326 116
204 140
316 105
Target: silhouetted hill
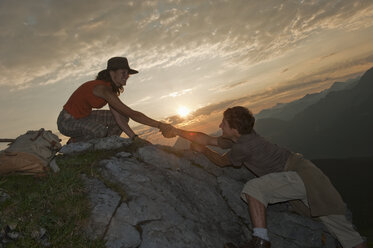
287 111
337 126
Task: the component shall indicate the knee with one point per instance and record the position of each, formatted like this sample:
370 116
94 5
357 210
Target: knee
114 131
254 189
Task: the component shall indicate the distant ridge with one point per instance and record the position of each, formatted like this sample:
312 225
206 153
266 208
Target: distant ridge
287 111
339 125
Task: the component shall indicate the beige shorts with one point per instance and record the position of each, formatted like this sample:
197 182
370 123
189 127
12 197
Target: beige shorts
285 186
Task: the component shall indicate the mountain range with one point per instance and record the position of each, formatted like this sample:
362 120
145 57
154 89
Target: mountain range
286 111
336 123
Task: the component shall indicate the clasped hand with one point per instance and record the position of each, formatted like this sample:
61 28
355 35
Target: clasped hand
168 131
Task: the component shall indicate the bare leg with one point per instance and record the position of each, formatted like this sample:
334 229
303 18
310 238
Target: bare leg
127 129
123 124
257 212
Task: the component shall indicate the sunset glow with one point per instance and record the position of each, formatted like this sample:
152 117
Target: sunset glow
183 111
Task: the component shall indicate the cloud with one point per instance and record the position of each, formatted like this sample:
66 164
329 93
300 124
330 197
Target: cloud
328 56
141 101
229 86
48 41
177 93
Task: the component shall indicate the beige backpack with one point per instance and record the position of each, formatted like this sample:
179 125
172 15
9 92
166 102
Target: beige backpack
30 153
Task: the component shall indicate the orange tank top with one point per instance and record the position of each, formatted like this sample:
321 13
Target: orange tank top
82 101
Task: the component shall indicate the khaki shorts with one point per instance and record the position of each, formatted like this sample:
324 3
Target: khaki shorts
285 186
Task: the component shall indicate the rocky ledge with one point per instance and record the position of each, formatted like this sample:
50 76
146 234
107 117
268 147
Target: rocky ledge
157 197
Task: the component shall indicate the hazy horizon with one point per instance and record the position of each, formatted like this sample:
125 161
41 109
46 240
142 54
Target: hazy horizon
202 56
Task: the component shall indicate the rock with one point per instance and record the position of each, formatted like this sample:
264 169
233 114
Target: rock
38 234
41 237
123 155
3 196
159 158
35 234
44 242
112 142
12 226
54 166
13 235
229 190
103 204
75 147
107 143
120 232
187 209
304 232
184 201
202 161
42 232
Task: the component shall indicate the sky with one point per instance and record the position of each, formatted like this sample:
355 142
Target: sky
201 55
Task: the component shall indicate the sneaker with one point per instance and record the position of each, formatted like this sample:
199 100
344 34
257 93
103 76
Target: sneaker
255 242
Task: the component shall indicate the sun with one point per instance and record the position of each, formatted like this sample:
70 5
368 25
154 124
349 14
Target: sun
183 111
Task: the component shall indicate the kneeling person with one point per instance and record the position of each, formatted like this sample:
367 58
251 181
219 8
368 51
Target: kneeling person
79 121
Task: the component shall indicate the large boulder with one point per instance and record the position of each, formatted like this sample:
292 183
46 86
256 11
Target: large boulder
184 201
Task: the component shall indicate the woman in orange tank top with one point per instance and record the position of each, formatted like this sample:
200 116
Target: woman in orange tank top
79 121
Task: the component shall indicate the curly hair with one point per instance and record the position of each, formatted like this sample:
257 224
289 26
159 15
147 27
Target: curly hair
105 76
240 118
